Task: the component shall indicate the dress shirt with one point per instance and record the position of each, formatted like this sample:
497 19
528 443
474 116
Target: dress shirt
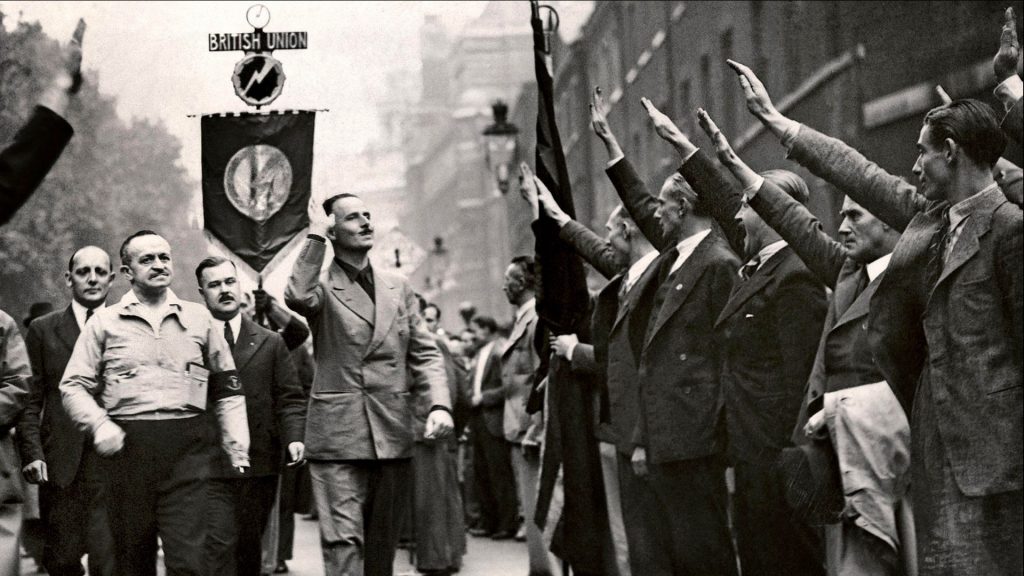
767 252
363 277
126 367
81 312
960 212
686 248
235 323
1010 90
481 363
637 269
878 266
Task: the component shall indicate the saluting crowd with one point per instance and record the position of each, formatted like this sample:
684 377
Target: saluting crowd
764 398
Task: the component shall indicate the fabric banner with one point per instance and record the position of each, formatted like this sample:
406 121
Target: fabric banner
257 170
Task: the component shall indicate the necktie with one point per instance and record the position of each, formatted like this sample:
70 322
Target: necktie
363 279
748 269
229 335
88 314
937 252
623 290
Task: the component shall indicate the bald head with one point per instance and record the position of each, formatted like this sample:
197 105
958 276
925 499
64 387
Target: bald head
89 276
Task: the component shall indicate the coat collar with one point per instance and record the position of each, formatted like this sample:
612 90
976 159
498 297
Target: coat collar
528 318
861 305
745 290
67 328
977 225
386 308
352 294
249 340
682 282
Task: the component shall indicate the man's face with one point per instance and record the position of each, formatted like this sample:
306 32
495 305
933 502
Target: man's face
514 284
150 267
754 229
221 290
352 229
89 277
430 318
863 235
669 212
932 167
618 236
481 335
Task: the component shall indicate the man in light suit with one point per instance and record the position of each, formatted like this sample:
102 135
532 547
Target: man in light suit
525 432
372 354
946 324
238 507
15 374
58 456
492 466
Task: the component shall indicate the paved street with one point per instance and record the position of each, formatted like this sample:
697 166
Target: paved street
485 557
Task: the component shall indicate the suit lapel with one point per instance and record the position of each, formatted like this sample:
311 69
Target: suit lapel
681 283
67 328
385 309
967 244
248 342
747 288
861 305
351 294
518 330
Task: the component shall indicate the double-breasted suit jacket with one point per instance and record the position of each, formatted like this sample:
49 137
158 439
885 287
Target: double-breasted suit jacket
360 406
769 326
959 340
679 356
45 431
274 401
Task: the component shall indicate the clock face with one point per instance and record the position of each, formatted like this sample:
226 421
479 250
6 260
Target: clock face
258 15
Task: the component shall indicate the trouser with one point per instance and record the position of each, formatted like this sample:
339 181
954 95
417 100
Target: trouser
691 498
650 545
853 551
495 481
157 487
10 528
439 527
286 510
359 504
75 523
618 545
526 465
237 510
770 539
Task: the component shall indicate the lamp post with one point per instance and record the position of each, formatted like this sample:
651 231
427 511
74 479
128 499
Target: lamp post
500 138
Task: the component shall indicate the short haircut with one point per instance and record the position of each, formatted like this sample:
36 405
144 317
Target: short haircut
972 125
71 261
486 322
428 305
125 258
529 269
210 262
680 190
329 203
790 183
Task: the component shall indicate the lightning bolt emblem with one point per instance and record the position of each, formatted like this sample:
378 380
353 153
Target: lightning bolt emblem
268 67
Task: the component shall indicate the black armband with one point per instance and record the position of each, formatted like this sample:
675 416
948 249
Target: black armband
440 407
224 384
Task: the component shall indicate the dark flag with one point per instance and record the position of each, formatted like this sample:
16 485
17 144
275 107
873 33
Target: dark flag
571 454
257 170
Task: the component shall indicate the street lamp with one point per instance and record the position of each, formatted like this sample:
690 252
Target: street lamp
501 144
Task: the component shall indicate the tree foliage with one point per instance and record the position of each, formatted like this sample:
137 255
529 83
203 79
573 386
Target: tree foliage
115 177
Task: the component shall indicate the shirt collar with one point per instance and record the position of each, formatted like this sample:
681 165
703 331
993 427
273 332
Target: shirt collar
236 325
524 307
351 271
639 267
875 268
688 244
770 250
81 312
172 304
964 208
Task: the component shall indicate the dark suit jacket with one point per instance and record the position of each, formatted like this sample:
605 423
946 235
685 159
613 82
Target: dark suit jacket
770 327
28 158
371 356
963 340
274 401
45 432
15 374
1013 122
679 356
612 358
845 336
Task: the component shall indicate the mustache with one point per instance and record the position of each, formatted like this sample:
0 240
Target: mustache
226 298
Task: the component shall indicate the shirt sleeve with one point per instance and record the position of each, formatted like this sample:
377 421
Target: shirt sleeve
82 378
226 391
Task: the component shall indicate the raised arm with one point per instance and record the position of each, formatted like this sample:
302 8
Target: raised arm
890 198
303 293
792 220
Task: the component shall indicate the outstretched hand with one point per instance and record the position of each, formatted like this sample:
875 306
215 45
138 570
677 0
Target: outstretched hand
723 149
598 115
663 125
72 58
1004 64
756 95
319 222
528 189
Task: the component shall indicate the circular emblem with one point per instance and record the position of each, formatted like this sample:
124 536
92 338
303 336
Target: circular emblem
258 79
257 181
